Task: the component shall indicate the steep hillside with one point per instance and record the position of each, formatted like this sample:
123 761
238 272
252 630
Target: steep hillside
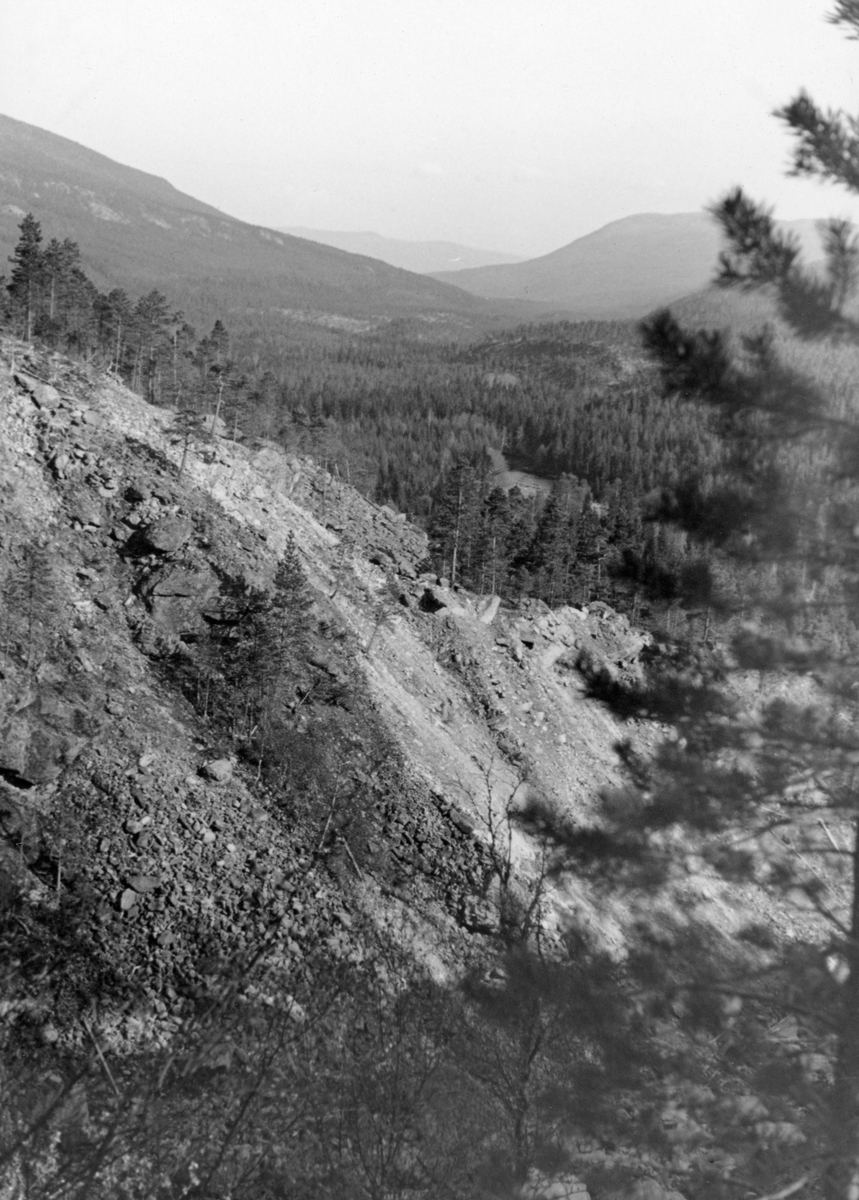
620 271
158 867
141 558
266 875
422 257
137 232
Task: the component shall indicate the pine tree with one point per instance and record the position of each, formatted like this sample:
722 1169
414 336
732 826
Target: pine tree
28 270
496 550
152 328
68 303
553 550
455 525
263 658
780 771
28 598
113 316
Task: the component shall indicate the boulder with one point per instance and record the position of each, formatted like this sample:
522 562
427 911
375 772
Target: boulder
748 1108
488 608
42 394
167 534
219 770
178 597
280 471
40 739
463 822
144 883
478 916
86 509
551 655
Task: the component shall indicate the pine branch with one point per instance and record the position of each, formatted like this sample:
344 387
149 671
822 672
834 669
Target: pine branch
846 13
827 142
759 253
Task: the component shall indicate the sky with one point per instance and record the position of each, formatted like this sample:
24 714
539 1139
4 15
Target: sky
512 125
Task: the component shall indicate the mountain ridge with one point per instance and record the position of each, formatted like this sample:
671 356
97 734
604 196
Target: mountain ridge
137 231
622 270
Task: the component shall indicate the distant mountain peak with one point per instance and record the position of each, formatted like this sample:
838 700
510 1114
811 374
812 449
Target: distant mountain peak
422 257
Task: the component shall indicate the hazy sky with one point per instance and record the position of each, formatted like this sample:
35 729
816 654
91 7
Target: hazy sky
515 125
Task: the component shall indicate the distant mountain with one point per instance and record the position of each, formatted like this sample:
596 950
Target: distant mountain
620 271
421 257
137 231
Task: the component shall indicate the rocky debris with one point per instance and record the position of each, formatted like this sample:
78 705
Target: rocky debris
779 1133
646 1189
595 641
377 531
43 395
746 1108
540 1186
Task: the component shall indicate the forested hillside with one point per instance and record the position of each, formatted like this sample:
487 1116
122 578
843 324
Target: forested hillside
136 231
422 425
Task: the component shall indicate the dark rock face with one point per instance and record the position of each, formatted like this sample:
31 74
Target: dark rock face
39 740
176 597
436 598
